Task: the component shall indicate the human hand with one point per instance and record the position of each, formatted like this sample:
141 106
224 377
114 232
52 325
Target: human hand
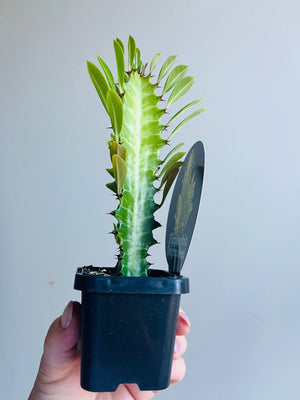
58 377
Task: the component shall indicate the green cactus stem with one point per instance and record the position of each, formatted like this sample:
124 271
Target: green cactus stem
136 115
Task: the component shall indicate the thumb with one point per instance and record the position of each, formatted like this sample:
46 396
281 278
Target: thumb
60 348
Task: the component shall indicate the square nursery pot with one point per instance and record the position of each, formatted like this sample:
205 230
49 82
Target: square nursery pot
128 328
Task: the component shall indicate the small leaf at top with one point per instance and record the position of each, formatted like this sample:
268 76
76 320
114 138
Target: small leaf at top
177 73
137 57
187 119
131 51
112 186
170 179
120 63
176 165
184 109
167 65
120 170
181 87
171 152
115 110
99 82
116 148
121 44
110 171
108 74
144 68
172 160
154 61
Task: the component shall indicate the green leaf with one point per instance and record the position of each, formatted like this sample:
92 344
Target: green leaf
144 68
154 62
110 171
120 170
172 160
177 73
116 148
187 119
137 58
131 52
171 152
167 65
108 74
115 110
170 179
176 165
180 89
184 109
120 63
121 44
99 82
112 186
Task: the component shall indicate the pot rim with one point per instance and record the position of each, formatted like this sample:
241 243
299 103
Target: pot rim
153 284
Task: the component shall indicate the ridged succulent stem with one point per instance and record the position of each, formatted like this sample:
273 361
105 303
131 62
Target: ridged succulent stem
140 135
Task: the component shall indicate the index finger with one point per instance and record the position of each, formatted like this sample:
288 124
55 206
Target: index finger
183 324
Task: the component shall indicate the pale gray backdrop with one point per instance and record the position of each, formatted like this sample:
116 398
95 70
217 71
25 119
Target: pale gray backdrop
244 258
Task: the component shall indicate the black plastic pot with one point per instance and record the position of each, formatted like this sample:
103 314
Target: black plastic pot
128 329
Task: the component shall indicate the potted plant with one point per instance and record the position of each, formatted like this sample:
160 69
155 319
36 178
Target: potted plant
129 312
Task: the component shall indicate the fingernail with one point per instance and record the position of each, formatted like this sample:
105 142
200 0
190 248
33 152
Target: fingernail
177 346
185 318
66 317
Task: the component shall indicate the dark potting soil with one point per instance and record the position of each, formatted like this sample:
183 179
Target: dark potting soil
91 270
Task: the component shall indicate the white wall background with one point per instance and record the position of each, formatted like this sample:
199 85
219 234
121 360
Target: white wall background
244 258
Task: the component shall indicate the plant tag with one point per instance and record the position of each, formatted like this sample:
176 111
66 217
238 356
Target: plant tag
184 208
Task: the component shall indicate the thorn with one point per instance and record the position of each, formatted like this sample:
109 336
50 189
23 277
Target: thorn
157 206
113 213
109 127
114 232
167 141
